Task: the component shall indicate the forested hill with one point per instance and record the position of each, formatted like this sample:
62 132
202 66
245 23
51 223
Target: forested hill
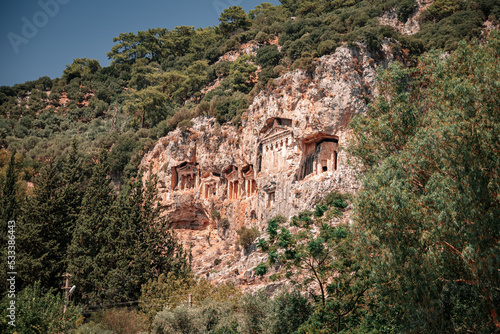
421 255
158 78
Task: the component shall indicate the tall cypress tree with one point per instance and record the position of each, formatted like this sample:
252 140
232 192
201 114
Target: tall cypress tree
90 255
166 254
8 211
47 220
42 232
73 181
145 246
9 205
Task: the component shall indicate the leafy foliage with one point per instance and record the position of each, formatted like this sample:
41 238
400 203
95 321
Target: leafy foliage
429 207
325 261
247 237
39 311
169 291
115 321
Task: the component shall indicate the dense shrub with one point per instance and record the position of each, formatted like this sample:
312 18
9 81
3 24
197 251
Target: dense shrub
267 74
268 55
405 8
228 108
39 312
448 32
115 320
305 63
224 223
287 312
335 199
261 269
272 228
247 236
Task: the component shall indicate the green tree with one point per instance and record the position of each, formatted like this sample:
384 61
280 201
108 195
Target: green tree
145 246
81 68
39 312
232 19
142 73
148 105
148 44
90 254
73 177
429 209
243 74
9 209
47 220
303 7
268 55
42 232
229 108
121 243
288 311
323 262
265 15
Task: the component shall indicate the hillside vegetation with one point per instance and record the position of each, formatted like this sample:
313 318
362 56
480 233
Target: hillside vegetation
421 256
158 78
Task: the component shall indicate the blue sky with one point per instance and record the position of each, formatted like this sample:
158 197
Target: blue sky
39 37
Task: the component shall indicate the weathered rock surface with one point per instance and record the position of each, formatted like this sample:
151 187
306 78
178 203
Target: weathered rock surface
288 154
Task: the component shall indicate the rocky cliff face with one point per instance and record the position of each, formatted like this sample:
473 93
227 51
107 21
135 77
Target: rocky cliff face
287 154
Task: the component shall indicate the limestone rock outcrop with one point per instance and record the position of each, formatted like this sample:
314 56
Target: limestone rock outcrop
288 153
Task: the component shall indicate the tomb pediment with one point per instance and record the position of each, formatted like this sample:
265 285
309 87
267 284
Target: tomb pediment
247 171
275 132
230 173
270 188
210 177
276 121
275 128
187 168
